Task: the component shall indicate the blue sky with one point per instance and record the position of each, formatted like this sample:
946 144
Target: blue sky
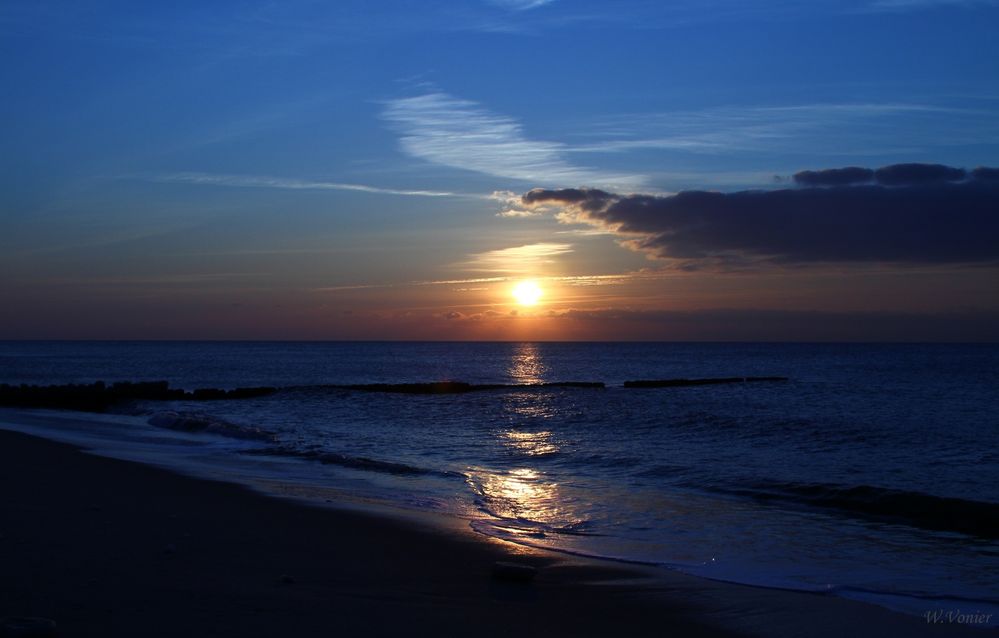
353 169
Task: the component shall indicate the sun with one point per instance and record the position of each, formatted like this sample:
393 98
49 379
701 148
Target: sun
527 293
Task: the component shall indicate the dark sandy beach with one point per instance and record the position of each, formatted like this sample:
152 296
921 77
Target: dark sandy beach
113 548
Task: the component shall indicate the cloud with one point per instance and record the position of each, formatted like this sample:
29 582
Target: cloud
437 282
258 181
854 129
520 212
512 207
913 174
789 325
720 324
904 5
462 134
927 218
835 176
894 175
518 260
520 5
985 173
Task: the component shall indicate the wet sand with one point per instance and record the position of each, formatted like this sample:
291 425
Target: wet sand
113 548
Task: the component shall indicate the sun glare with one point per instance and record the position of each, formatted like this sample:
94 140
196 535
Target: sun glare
527 293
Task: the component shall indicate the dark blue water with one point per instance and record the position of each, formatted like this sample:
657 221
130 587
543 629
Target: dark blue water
873 472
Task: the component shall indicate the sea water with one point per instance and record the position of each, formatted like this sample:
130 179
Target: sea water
872 473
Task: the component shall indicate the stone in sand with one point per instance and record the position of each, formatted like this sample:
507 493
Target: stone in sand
513 572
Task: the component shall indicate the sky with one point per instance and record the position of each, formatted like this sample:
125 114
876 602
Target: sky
731 170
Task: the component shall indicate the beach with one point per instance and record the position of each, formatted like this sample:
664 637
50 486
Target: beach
114 548
500 318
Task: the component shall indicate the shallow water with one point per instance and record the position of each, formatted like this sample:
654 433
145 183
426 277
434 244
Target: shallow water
872 473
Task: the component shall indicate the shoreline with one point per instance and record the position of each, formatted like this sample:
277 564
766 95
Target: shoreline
110 547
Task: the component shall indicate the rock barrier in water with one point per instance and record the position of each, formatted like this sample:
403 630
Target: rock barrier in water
460 387
99 396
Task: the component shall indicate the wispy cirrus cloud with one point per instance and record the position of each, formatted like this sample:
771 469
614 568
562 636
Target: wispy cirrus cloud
458 133
570 280
263 181
906 5
432 282
526 259
837 128
520 5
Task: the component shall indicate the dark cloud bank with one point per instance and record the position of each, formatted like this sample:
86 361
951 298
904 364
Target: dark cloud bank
904 213
791 325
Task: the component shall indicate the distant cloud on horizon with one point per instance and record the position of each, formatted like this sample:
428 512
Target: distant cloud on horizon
757 324
902 214
894 175
732 324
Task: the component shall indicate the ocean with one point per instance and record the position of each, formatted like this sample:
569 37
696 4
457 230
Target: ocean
871 473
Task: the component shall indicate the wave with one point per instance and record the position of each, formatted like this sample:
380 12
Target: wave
561 540
664 470
680 383
196 422
916 509
516 527
352 462
915 603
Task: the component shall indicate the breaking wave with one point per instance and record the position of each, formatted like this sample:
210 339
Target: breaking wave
204 423
916 509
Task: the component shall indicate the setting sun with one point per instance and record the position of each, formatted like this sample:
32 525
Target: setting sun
527 293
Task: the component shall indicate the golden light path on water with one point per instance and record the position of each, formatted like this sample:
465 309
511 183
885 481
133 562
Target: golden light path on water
525 493
526 364
531 443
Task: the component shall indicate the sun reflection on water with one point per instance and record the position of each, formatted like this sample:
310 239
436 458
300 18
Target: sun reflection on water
531 443
523 408
526 364
520 493
529 499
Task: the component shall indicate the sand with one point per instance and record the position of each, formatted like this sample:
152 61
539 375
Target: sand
113 548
